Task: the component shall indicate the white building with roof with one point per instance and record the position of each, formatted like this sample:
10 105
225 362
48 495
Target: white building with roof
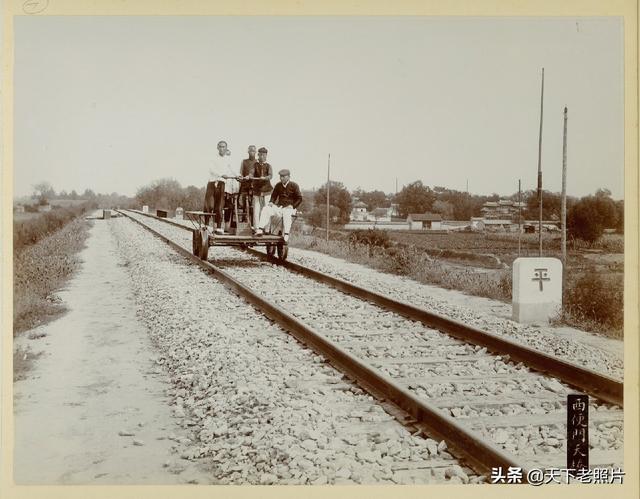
359 211
424 221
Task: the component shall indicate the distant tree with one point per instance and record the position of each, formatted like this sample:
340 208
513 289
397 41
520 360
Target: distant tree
88 194
193 198
582 221
307 201
444 208
415 198
373 199
588 218
620 217
113 200
339 197
73 195
63 195
607 208
43 192
162 193
464 204
551 205
318 216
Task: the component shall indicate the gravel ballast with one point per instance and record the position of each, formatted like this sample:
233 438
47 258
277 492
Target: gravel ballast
340 317
258 406
600 354
544 338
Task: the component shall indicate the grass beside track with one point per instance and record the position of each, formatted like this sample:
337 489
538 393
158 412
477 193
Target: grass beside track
41 269
592 301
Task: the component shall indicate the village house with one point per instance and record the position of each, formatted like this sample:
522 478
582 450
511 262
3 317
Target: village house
359 211
422 221
504 209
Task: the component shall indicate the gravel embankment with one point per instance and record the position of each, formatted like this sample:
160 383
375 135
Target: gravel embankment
409 291
546 339
346 318
261 408
383 335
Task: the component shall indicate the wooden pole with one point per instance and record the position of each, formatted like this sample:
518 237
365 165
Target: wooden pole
540 169
394 211
328 189
519 215
563 208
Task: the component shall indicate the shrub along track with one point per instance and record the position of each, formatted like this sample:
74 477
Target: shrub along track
489 410
42 267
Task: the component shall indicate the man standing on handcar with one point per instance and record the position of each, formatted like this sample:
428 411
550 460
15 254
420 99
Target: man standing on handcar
220 188
261 185
246 179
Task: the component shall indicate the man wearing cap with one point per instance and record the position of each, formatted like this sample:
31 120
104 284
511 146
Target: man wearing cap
221 186
284 203
261 184
246 179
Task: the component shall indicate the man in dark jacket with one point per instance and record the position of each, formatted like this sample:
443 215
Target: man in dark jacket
284 203
261 185
246 180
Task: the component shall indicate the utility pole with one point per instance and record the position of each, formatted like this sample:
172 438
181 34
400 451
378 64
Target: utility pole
540 170
394 211
328 189
519 214
563 208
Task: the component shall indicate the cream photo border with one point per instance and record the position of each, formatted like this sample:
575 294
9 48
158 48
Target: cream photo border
626 9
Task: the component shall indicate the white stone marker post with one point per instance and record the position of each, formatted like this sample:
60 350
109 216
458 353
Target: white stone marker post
179 214
537 289
145 209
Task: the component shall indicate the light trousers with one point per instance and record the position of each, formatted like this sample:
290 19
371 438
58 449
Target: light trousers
272 216
259 202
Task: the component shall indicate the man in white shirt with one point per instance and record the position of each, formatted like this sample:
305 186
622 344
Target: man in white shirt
221 186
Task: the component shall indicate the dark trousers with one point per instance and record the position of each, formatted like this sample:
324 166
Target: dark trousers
244 203
214 202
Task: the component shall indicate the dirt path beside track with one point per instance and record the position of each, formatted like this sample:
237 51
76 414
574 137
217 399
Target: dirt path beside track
93 408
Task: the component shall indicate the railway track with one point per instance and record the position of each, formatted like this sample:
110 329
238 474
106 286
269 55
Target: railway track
491 410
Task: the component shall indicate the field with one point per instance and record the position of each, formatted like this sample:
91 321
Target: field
607 254
65 203
29 228
21 217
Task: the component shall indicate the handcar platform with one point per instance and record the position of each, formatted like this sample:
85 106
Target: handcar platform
241 235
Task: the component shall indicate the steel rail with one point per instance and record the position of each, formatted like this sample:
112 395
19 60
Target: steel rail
596 384
481 454
588 381
155 217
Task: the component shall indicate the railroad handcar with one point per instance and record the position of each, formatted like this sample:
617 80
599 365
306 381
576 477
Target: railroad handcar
204 238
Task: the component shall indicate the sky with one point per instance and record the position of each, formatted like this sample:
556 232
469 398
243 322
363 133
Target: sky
114 103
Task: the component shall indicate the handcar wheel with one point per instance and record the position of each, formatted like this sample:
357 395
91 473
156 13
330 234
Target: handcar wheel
204 244
271 249
196 243
283 251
